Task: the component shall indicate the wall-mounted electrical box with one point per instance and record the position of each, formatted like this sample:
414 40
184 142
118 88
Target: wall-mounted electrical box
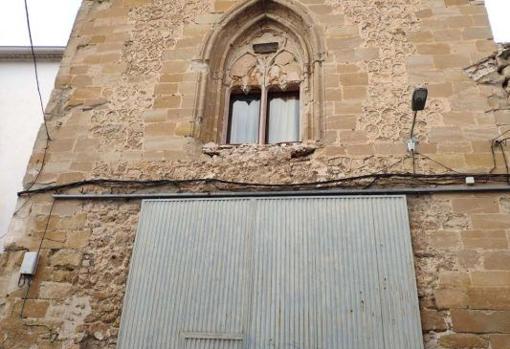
29 265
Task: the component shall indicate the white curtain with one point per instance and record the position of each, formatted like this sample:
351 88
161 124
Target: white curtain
283 119
244 123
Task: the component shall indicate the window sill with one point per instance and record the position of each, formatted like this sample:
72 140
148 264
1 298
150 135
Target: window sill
296 149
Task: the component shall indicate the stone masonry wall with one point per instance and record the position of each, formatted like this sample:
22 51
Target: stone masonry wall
123 106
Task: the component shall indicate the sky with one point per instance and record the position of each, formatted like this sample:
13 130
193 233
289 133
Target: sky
52 21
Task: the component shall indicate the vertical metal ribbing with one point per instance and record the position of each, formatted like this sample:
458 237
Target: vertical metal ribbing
401 318
186 274
312 272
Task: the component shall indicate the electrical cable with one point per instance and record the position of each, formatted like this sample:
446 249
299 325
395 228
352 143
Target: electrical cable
440 164
36 72
429 178
505 160
38 252
413 124
411 139
38 85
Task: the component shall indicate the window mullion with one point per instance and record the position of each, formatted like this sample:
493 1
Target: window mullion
263 116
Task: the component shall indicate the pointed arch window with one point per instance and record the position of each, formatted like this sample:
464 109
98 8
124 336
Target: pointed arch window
263 82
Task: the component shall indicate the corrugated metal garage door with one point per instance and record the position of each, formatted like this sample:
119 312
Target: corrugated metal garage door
314 272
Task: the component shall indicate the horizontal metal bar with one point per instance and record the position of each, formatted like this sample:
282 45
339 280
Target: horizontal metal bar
213 336
24 52
222 194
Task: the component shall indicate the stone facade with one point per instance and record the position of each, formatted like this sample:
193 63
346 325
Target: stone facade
129 104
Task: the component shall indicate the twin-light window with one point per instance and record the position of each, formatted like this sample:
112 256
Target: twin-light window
253 121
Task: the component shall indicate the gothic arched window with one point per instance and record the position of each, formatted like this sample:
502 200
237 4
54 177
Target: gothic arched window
263 78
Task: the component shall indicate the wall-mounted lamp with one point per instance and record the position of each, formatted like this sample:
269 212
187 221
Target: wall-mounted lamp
420 98
418 103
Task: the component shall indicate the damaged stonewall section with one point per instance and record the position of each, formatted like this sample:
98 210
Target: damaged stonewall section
252 174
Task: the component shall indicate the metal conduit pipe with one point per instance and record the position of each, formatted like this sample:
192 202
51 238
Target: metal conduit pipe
376 191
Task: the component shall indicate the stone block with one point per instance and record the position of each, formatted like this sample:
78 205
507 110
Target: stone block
353 137
451 61
498 260
490 278
421 37
460 21
223 5
66 258
491 221
433 49
445 240
341 122
344 43
448 298
425 13
184 129
62 145
87 92
390 148
489 298
54 290
168 102
35 308
354 79
469 259
445 134
321 9
485 243
432 320
477 33
166 89
486 46
208 18
171 78
366 54
455 2
351 107
454 279
478 321
70 177
159 128
155 115
78 239
360 149
453 148
347 68
175 67
333 94
480 133
479 204
463 341
499 341
459 118
354 92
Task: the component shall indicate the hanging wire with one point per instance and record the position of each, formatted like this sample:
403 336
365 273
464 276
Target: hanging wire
38 86
38 253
